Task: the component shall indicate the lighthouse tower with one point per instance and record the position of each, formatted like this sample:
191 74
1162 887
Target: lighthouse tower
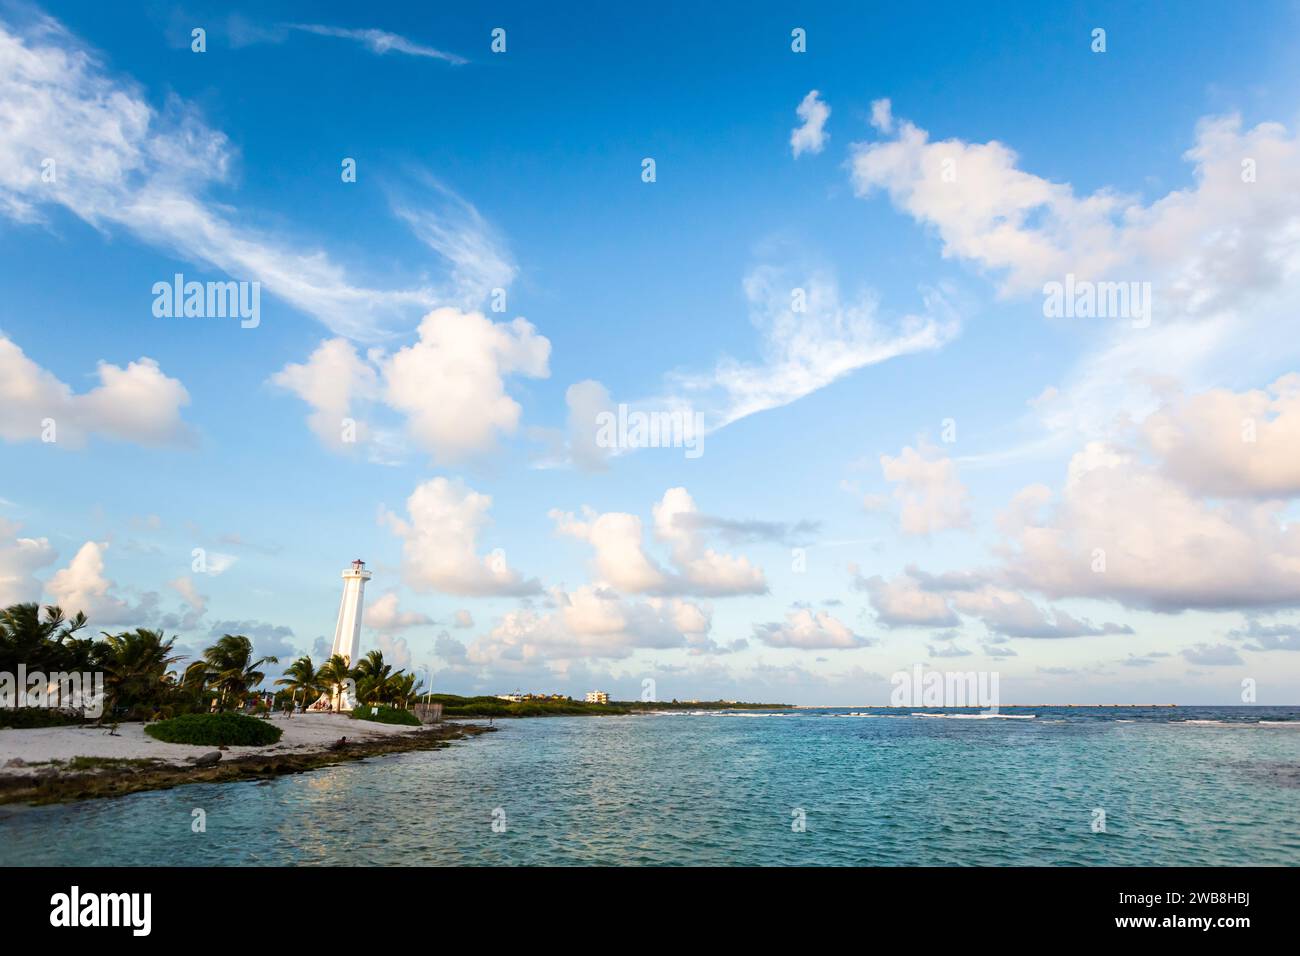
347 632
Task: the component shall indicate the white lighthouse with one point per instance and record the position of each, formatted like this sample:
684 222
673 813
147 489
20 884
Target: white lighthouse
347 632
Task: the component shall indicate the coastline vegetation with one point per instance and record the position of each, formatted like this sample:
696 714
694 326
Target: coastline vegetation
215 730
383 714
143 682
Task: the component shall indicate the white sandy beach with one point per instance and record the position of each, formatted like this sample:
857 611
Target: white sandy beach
302 733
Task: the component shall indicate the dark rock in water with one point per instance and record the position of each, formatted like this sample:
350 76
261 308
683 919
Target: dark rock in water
210 759
17 762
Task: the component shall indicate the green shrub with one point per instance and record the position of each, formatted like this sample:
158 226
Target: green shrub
385 715
215 730
28 717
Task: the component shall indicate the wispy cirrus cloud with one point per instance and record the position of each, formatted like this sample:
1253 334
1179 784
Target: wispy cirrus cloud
121 163
379 41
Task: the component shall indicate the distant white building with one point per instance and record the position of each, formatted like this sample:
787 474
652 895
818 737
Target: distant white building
512 698
597 697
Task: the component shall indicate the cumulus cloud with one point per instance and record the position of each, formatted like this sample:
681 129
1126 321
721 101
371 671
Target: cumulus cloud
918 599
810 136
902 602
440 541
590 622
81 586
136 404
1014 615
464 618
449 385
621 559
1221 442
1121 529
384 614
809 630
1220 256
330 381
930 495
20 558
1207 241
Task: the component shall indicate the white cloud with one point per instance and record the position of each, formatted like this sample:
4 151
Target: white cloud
121 163
588 623
20 558
1012 614
384 614
901 602
882 116
917 599
479 259
216 563
136 404
809 630
622 561
450 384
810 136
803 351
931 497
620 557
1220 255
380 41
81 586
464 618
1221 442
1164 547
440 539
703 570
330 381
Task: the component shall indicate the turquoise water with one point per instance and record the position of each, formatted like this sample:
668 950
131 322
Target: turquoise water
710 789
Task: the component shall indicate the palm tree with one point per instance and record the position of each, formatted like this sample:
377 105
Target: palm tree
135 672
334 674
404 689
231 669
301 676
27 637
372 676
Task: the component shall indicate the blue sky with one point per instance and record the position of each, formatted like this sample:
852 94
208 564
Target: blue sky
922 417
